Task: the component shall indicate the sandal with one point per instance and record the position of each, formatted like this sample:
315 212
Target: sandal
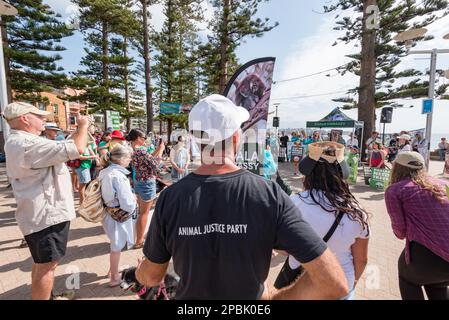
138 246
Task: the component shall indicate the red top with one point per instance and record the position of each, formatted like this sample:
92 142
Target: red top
376 159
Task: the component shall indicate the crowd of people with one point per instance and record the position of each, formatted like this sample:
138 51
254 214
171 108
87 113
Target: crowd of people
220 224
378 152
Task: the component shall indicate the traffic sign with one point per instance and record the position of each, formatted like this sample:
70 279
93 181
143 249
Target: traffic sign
427 106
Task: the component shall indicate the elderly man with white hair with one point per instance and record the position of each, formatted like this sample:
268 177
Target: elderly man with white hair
41 185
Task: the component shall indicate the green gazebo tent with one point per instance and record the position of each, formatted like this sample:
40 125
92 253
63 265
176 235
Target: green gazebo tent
335 119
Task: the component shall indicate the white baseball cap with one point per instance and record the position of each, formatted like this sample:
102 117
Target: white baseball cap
216 116
17 109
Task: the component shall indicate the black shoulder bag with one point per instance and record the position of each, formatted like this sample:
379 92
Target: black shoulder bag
288 275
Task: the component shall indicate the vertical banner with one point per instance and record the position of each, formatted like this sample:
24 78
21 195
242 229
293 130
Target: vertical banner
250 87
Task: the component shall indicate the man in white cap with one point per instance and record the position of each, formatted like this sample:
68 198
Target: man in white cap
221 223
41 181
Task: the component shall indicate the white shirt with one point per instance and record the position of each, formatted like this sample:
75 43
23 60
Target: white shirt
352 142
420 146
371 141
40 180
321 221
116 192
116 189
405 148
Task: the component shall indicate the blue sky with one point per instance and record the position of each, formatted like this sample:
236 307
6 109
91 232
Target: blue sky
302 44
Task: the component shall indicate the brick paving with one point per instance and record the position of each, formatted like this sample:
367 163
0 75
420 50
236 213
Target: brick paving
87 259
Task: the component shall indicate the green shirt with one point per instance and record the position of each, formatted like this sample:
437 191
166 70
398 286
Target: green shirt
102 144
87 164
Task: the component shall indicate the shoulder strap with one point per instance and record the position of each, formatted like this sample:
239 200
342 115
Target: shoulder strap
334 227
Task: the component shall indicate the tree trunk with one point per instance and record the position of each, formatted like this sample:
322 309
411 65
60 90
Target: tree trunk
170 75
169 129
367 90
105 51
160 100
6 61
126 80
146 57
224 47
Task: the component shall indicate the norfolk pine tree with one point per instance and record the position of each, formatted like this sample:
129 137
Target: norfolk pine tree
380 55
31 42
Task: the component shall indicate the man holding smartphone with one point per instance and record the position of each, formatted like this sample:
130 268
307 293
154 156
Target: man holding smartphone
40 180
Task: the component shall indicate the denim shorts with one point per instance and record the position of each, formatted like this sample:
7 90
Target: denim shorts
146 190
83 175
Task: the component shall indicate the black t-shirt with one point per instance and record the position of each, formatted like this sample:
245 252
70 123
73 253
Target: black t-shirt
220 231
283 141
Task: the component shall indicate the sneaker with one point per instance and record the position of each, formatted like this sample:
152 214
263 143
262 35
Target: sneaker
66 295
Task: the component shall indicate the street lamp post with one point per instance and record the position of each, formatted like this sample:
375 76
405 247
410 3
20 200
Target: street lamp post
408 37
5 10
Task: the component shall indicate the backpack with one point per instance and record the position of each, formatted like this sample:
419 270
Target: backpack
92 209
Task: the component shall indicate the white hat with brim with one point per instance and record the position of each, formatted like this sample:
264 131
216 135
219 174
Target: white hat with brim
52 126
215 119
17 109
405 137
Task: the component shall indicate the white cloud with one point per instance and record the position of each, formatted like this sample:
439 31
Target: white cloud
157 16
62 7
208 12
316 53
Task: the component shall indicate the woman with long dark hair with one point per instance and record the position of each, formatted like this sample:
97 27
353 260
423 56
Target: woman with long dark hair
326 199
419 210
145 169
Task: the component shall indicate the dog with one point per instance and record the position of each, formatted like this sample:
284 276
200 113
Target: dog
166 290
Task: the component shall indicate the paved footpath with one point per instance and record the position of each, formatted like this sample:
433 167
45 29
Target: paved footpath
87 261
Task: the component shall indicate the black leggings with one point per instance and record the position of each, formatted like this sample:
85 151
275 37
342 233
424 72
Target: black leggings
427 270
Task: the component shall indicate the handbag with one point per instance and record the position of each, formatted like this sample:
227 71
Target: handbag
288 275
118 214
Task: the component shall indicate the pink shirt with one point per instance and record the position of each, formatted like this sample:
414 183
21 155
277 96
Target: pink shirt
417 216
